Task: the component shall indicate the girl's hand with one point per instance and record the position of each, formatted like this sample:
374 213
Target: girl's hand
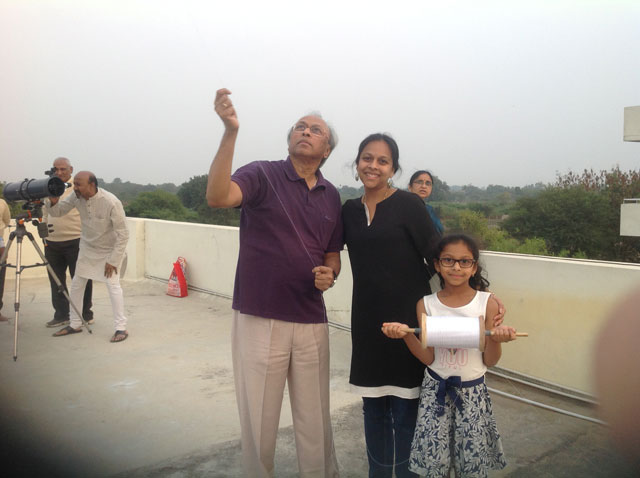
503 333
393 330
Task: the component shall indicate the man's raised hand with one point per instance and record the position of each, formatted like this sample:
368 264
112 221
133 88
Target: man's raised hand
226 111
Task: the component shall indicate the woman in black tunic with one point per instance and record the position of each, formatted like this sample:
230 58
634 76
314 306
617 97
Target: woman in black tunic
389 235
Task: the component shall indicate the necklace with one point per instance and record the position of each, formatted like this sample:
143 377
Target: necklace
364 196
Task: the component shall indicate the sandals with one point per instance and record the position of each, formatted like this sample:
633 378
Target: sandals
119 336
68 330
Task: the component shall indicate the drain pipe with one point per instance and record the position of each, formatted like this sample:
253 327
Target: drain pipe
542 387
547 407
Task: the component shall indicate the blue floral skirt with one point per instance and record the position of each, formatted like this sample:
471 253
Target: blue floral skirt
466 440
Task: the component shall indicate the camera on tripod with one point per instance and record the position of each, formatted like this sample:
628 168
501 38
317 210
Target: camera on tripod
33 191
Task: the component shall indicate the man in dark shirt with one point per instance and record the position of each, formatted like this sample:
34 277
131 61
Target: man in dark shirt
290 242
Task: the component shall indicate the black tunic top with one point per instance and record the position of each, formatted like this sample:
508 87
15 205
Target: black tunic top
389 276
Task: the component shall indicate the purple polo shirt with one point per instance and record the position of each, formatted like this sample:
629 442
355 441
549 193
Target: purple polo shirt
279 215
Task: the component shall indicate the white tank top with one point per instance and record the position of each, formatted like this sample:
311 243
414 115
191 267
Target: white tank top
466 363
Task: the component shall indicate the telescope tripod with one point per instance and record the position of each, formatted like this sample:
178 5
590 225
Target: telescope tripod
19 234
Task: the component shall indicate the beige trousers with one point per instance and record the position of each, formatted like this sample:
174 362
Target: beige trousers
268 353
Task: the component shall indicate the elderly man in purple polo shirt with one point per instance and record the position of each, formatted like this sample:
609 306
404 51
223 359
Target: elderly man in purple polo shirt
290 242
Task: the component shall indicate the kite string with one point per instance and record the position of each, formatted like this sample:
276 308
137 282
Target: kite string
204 46
304 246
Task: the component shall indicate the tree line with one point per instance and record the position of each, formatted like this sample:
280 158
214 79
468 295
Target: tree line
576 216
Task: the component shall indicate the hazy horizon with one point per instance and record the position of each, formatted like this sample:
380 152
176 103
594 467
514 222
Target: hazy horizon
494 92
356 186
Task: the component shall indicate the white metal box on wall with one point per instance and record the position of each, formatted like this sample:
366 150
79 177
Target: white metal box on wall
632 123
630 218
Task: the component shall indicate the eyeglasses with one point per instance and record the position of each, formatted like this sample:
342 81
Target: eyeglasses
423 183
315 129
450 262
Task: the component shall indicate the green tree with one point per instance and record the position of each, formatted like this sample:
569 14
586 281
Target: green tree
159 205
495 239
128 191
440 191
572 220
193 195
483 208
615 185
348 192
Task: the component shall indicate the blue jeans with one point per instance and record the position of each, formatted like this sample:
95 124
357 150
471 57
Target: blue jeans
389 423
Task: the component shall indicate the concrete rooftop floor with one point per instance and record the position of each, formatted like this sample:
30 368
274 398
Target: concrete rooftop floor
162 404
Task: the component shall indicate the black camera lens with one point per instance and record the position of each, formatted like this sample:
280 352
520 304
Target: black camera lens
33 189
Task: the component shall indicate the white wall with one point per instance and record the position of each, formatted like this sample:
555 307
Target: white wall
562 303
211 253
29 255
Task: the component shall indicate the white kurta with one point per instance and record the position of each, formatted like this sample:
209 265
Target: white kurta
104 232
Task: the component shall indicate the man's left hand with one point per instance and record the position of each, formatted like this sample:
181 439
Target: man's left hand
109 270
324 277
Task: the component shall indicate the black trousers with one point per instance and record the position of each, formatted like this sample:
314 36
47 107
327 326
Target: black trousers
62 255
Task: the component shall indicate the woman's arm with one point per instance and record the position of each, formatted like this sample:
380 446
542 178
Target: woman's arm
503 333
497 320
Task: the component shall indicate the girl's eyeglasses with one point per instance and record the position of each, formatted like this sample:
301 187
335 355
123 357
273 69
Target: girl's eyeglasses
450 262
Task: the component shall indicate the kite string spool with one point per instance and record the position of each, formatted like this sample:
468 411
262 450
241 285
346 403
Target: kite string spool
455 332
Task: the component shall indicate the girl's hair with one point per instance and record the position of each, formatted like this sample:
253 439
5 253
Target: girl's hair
419 173
476 281
393 147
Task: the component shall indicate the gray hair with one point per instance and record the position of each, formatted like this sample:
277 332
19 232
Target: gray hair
61 158
333 136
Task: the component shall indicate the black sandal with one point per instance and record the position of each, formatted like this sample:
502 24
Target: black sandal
119 336
68 330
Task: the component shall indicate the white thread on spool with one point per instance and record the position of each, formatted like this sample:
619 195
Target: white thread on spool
454 332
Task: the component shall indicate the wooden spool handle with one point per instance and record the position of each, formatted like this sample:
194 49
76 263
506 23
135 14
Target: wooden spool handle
518 334
421 331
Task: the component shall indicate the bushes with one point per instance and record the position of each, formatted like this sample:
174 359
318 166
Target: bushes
494 239
160 205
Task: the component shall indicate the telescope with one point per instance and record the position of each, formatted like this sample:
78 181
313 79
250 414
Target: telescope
34 189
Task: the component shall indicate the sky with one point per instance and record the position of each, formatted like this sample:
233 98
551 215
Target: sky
478 92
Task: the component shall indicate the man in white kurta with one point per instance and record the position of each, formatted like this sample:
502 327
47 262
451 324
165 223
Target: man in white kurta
102 247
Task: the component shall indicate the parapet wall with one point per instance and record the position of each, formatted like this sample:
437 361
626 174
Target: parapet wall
562 303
